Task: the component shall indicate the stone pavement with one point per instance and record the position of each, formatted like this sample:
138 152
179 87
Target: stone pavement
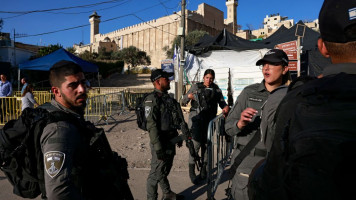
179 181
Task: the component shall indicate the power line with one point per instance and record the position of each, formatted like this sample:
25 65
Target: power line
151 25
74 13
166 8
55 9
125 1
75 27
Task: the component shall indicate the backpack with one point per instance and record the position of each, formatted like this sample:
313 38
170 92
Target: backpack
140 112
317 146
21 157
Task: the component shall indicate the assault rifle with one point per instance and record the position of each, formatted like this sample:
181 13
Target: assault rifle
196 98
188 138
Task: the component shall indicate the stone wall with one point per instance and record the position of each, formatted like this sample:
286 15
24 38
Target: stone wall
154 35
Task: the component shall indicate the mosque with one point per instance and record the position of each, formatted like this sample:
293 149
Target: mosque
156 35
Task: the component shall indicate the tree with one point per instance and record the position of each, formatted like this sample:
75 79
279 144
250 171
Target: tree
46 50
190 39
86 55
133 57
71 50
103 54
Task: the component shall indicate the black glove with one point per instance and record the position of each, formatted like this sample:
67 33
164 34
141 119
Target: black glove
160 155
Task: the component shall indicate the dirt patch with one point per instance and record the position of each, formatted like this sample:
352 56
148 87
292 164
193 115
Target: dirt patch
134 144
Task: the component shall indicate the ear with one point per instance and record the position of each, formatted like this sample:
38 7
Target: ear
285 70
322 48
56 91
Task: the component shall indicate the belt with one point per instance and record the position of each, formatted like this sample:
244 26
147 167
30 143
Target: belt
256 152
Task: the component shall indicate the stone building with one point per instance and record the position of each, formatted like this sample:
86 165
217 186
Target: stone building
271 23
156 35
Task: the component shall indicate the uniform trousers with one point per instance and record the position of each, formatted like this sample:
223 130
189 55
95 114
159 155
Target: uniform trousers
158 175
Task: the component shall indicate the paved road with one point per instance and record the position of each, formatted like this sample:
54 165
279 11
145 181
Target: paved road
179 181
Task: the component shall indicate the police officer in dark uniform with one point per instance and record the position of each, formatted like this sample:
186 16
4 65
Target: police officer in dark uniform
162 126
202 111
243 120
71 168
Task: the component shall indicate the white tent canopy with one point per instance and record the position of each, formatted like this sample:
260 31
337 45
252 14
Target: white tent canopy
242 66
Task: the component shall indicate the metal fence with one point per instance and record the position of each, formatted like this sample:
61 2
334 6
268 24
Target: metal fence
10 108
104 107
219 150
100 106
41 97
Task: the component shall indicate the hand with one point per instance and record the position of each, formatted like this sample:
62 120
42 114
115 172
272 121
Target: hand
180 144
160 155
226 110
191 96
246 117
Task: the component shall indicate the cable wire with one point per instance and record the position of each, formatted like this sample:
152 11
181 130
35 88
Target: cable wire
75 27
54 9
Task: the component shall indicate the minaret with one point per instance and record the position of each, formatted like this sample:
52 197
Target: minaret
231 14
94 20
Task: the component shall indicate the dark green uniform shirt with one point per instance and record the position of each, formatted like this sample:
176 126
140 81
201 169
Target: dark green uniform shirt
252 96
159 120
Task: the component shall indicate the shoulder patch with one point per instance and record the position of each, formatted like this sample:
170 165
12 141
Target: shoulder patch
54 161
147 111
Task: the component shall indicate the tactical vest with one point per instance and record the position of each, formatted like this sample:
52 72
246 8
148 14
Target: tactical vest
206 97
170 120
95 166
82 156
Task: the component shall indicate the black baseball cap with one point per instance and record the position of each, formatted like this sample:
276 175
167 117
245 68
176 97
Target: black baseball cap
337 21
274 56
158 73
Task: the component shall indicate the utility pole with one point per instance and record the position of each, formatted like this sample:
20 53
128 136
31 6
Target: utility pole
182 58
15 59
18 70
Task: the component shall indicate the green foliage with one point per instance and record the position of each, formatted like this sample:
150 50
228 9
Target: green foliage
108 68
190 39
46 50
71 50
86 55
104 55
133 57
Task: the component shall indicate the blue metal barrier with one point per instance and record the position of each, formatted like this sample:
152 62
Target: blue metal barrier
219 151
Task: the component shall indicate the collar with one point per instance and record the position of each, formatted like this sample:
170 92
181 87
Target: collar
262 86
278 88
348 68
67 110
159 91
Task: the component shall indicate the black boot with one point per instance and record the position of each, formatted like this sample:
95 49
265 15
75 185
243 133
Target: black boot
192 176
203 173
